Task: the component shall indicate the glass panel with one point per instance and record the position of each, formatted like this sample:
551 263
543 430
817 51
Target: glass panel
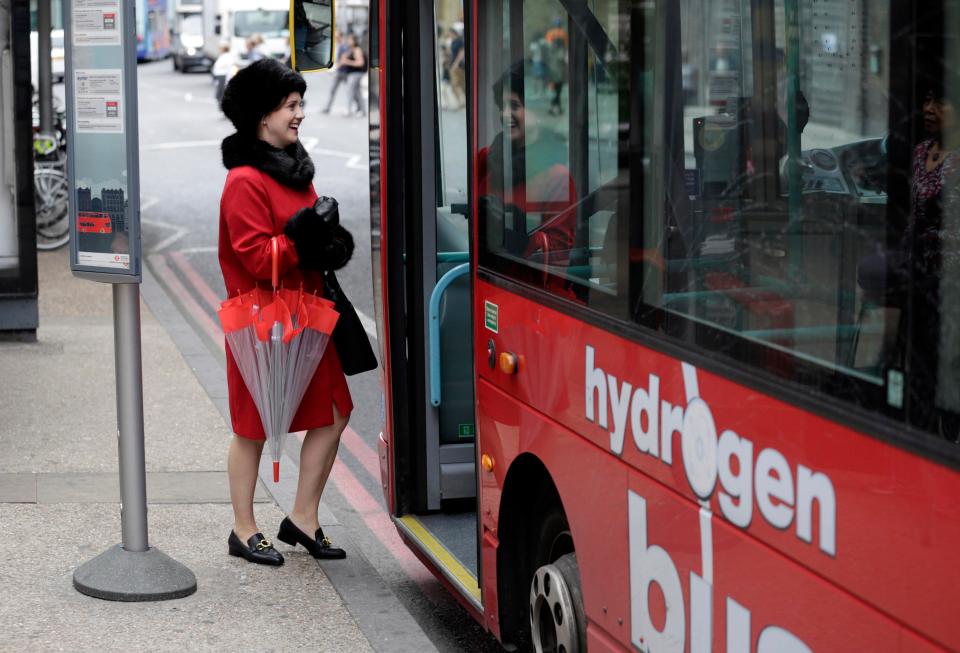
455 414
799 194
313 37
452 116
550 167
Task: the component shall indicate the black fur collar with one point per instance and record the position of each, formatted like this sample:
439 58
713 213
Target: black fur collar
290 166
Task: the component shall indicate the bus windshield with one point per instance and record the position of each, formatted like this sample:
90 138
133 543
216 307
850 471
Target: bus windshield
266 23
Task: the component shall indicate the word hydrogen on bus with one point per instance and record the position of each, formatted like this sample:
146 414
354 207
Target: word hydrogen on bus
780 494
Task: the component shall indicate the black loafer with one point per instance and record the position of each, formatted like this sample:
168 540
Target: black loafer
319 546
258 549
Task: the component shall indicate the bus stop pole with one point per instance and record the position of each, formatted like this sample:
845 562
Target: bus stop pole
131 570
129 376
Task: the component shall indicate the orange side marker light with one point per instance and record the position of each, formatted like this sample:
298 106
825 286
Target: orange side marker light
508 363
487 462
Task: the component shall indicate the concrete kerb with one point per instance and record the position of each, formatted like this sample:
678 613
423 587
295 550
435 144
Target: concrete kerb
382 618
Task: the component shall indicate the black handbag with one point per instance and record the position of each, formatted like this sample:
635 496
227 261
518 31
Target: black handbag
349 337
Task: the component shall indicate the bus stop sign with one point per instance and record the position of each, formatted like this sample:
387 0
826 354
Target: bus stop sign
102 157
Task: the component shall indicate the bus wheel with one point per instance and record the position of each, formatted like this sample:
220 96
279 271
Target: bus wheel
557 620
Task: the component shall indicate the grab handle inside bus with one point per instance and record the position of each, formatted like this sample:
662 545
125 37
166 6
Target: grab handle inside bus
434 331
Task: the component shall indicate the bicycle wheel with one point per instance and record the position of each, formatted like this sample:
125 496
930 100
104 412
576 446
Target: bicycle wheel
50 192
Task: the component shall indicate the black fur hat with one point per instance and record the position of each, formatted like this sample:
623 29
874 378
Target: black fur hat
257 90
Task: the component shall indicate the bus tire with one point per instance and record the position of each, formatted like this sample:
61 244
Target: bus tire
557 619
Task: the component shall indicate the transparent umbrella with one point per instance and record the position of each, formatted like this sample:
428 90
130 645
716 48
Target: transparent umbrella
277 338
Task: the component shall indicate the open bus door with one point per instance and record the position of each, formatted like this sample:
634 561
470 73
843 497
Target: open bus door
420 235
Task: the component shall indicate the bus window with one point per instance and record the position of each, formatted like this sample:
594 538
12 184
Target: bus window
805 210
455 419
548 173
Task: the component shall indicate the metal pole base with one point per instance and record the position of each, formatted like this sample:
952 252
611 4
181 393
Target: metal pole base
121 575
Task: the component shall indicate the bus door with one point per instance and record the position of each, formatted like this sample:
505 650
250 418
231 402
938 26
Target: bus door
426 284
438 244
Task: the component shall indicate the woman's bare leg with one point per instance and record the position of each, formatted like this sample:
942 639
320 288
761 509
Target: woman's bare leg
317 455
243 464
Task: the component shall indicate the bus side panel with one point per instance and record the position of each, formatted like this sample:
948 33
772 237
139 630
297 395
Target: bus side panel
491 599
693 574
853 504
636 538
592 486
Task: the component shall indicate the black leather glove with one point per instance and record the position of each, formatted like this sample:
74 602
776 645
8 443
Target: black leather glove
328 210
320 241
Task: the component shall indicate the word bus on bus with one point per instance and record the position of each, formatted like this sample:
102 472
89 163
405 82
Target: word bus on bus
668 302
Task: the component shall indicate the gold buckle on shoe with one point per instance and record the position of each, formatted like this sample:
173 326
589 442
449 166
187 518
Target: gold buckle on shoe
264 544
326 542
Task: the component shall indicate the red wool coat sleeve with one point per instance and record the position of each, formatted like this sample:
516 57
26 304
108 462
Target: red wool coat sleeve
245 206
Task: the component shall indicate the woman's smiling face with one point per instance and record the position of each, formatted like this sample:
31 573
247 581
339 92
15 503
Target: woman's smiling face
281 126
513 116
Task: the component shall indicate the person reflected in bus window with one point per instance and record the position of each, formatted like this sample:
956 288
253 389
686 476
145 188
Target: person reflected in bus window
948 364
556 55
934 162
536 208
801 106
908 276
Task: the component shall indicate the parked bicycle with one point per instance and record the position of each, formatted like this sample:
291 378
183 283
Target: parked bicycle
50 187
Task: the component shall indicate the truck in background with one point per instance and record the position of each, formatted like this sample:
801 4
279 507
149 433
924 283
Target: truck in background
232 22
188 39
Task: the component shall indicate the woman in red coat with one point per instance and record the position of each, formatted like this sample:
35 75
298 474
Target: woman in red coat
269 193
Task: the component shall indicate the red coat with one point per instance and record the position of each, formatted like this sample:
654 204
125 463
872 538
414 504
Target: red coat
255 207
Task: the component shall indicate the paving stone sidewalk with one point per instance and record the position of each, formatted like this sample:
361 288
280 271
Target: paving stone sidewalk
59 499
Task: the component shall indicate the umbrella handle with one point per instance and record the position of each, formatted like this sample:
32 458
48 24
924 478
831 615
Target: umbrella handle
275 268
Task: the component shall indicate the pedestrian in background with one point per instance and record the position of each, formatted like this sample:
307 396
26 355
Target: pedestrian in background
457 69
341 72
222 70
254 51
269 194
355 62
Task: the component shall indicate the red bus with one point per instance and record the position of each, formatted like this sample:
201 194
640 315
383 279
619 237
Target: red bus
93 222
671 364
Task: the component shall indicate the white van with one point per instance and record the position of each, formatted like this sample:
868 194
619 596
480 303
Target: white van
232 22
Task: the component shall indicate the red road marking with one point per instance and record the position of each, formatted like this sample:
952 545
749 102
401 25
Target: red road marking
205 291
382 527
369 509
379 523
159 264
362 451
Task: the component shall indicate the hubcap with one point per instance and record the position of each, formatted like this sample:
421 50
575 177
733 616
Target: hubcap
553 622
